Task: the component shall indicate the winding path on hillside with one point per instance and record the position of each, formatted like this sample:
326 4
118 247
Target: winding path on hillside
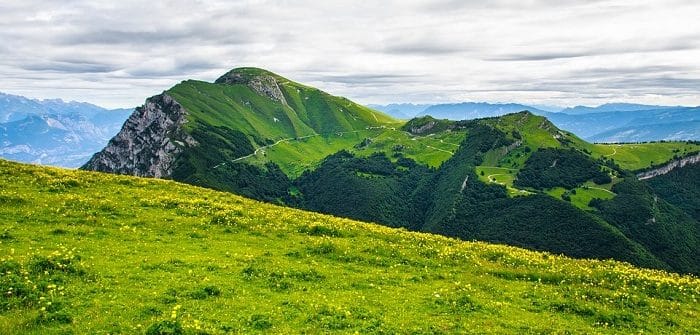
287 140
438 149
314 135
612 154
265 147
493 180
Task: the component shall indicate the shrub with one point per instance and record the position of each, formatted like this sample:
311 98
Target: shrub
166 327
260 322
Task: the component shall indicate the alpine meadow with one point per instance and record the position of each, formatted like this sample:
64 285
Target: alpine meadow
405 167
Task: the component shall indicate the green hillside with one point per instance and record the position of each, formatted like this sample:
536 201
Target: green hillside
85 252
514 179
250 118
680 187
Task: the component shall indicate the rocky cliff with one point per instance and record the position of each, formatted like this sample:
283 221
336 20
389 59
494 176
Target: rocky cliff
149 141
263 84
695 159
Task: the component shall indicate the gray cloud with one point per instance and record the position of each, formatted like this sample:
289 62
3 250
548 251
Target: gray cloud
540 51
374 79
687 42
69 67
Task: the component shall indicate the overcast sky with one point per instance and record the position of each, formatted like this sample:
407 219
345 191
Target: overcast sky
558 52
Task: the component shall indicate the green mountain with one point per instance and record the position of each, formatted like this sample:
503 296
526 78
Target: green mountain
515 179
196 131
90 253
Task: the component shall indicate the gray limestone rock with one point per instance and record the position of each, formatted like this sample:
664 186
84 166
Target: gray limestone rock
148 143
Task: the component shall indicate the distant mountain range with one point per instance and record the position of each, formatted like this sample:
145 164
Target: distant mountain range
401 111
666 123
453 111
55 132
611 107
609 123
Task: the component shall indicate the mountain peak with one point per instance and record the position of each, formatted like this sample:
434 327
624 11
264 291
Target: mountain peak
259 80
242 75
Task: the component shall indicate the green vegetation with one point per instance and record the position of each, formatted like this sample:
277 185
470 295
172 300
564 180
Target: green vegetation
581 196
298 155
680 187
638 156
85 252
663 229
547 168
248 112
495 179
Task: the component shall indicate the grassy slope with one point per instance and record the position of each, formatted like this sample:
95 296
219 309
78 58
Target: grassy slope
537 132
309 110
636 156
335 123
295 156
135 252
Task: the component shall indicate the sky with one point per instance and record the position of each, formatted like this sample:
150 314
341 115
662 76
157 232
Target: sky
545 52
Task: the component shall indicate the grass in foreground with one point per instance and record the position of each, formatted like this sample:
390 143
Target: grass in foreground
92 253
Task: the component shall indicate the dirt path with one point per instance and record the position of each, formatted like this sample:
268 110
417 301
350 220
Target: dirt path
265 147
287 140
612 154
493 180
438 149
448 143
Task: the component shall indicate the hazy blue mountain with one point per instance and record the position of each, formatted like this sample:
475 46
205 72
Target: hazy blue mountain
673 123
55 132
402 110
677 131
610 107
474 110
548 108
15 107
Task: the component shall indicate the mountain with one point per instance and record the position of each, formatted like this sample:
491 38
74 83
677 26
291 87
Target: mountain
677 123
120 254
532 207
680 187
676 131
197 131
402 111
514 179
54 132
610 107
474 110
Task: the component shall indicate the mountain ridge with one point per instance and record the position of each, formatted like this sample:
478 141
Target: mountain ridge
55 132
349 160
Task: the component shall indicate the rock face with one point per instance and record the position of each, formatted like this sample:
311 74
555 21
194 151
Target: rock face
695 159
265 85
423 128
148 143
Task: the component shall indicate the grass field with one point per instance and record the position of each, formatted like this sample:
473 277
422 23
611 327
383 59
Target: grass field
294 156
583 195
640 156
501 176
91 253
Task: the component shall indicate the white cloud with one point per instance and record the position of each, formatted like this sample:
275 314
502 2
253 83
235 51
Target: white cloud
548 52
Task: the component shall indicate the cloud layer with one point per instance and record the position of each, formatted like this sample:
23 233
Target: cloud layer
538 51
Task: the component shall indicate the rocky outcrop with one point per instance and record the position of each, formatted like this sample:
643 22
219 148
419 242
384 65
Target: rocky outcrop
422 129
695 159
148 143
263 84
